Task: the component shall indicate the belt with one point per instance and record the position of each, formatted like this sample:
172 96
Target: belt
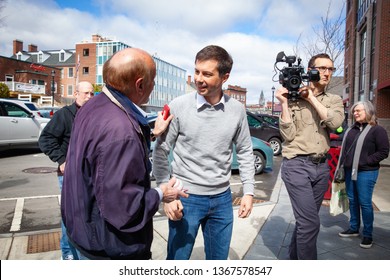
316 159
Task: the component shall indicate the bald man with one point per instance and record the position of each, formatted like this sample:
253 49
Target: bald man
54 141
107 201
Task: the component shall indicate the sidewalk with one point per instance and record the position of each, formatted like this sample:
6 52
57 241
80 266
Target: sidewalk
264 236
274 237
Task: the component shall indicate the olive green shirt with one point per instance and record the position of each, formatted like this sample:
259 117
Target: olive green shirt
307 134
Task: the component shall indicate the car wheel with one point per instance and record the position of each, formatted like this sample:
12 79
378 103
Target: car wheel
259 162
276 145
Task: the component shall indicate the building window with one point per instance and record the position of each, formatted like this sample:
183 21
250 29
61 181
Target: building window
19 56
70 72
85 70
40 57
9 78
362 70
62 56
85 52
70 90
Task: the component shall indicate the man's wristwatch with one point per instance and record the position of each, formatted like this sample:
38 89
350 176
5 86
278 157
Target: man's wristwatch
152 137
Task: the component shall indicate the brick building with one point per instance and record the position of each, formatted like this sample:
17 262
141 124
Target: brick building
26 77
237 92
85 63
367 60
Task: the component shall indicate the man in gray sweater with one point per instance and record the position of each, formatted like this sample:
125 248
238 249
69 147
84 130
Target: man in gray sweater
205 126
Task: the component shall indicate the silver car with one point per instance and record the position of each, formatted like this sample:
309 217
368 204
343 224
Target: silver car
19 126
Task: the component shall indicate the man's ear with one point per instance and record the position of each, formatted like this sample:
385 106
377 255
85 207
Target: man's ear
139 85
225 77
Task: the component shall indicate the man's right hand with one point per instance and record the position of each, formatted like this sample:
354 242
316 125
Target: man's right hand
174 210
62 168
281 94
171 193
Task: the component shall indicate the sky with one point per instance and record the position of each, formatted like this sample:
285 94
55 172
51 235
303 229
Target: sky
252 31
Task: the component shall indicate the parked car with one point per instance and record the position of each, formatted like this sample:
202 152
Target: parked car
32 107
272 120
262 151
263 156
20 126
266 132
46 111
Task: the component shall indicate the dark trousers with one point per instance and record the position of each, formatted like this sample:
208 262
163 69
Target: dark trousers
306 183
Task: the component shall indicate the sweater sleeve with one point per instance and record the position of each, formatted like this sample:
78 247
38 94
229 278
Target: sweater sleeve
163 147
381 146
245 156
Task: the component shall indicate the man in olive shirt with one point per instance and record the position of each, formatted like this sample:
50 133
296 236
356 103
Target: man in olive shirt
305 124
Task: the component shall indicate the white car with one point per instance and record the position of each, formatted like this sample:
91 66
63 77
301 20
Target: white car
19 125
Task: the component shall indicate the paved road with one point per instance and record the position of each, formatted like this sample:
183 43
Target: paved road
29 193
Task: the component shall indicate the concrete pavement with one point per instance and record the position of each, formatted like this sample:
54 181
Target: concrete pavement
264 235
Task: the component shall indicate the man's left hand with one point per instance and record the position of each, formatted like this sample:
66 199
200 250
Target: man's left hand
245 206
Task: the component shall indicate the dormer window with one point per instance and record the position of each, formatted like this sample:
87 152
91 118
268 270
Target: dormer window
62 56
19 56
40 57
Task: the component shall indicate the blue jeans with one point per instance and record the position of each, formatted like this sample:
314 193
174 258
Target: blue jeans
66 248
360 200
214 213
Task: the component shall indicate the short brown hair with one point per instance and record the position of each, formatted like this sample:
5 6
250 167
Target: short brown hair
224 59
314 57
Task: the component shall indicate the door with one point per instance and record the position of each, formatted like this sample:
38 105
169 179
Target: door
21 127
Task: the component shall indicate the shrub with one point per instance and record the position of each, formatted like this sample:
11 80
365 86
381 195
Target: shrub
4 91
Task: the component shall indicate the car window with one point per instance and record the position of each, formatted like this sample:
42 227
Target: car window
2 111
14 110
252 122
31 106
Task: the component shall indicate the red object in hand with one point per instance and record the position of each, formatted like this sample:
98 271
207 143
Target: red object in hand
165 112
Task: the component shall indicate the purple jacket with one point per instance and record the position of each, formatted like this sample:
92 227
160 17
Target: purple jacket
107 203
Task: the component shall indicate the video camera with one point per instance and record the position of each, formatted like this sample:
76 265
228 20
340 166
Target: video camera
292 76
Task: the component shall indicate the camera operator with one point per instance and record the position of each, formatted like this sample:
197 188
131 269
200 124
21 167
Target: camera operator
305 123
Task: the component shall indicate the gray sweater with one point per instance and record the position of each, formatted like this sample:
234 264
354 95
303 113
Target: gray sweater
203 143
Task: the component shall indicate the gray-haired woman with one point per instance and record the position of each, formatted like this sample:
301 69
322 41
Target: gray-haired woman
366 144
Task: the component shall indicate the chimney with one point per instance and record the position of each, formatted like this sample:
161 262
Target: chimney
18 46
32 48
96 38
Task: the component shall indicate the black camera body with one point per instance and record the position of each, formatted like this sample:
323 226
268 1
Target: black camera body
292 76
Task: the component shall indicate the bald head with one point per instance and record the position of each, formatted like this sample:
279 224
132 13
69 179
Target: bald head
84 92
130 71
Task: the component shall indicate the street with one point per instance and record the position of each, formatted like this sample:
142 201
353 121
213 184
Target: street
30 196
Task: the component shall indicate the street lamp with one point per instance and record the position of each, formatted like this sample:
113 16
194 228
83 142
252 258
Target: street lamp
53 73
273 91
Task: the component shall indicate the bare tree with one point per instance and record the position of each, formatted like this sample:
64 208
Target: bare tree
329 38
2 6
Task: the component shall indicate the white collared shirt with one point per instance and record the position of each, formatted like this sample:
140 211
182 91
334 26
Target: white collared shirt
200 101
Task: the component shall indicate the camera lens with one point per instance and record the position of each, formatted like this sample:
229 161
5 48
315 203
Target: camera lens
295 82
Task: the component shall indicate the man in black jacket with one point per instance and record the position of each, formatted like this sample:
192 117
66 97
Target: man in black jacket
54 141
